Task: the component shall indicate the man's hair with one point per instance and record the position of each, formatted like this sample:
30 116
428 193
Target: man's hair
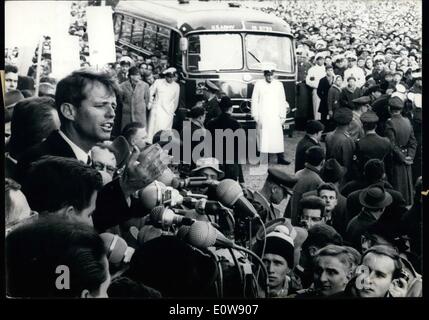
342 253
9 205
390 252
131 129
10 69
327 186
369 126
32 122
72 89
35 250
374 170
321 235
313 202
53 183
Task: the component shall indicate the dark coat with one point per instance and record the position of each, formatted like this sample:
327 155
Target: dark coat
134 103
400 133
232 170
396 209
309 180
303 145
111 206
417 127
340 146
212 109
378 76
194 143
347 96
322 92
381 108
358 226
372 146
333 98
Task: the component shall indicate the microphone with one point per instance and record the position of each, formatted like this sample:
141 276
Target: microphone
204 206
117 249
202 235
230 194
192 182
163 217
158 193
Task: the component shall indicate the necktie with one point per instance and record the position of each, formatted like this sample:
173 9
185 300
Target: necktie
89 161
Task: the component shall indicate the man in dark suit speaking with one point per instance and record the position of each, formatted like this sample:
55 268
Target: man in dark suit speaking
86 103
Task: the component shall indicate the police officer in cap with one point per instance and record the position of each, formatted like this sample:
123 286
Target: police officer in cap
401 134
360 105
339 143
211 104
278 186
371 146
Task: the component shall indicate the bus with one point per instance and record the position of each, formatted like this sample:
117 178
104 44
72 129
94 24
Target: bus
211 40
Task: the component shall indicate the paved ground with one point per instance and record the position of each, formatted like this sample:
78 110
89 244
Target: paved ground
256 182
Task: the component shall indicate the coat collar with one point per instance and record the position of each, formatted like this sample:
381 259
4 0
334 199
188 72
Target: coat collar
312 168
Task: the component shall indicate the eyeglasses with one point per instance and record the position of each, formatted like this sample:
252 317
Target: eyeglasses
103 167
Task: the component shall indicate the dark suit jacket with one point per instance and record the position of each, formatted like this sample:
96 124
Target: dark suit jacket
213 109
397 208
232 170
322 92
111 206
303 145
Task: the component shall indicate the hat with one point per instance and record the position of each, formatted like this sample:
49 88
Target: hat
271 226
196 112
212 163
362 100
417 75
416 98
375 197
12 97
318 56
372 89
121 149
210 86
126 60
225 103
279 242
396 103
351 77
314 155
268 66
400 88
170 70
46 89
332 171
343 116
280 177
369 117
314 126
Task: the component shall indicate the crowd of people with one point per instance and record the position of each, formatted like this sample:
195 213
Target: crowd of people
97 204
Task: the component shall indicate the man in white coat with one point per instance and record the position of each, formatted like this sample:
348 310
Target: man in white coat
164 100
269 110
354 71
315 73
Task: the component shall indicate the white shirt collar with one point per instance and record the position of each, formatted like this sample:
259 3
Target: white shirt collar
78 152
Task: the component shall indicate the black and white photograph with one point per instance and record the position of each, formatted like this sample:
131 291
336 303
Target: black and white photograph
213 149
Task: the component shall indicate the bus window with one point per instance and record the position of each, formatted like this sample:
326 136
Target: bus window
163 39
215 52
137 37
126 29
118 21
149 37
269 48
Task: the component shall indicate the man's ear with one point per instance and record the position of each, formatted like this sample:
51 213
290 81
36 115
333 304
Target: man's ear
70 211
85 294
312 250
68 111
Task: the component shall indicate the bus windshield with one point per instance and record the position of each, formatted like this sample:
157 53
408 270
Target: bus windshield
216 52
269 48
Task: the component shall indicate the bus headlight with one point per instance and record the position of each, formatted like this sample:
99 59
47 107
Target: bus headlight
247 77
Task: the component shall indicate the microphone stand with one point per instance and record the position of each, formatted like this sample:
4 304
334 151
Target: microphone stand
261 263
